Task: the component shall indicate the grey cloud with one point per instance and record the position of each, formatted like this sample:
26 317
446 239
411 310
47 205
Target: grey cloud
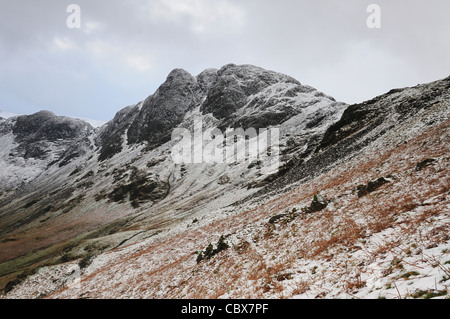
126 48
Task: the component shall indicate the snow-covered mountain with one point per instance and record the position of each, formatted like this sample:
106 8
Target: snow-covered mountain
125 166
94 123
31 144
112 200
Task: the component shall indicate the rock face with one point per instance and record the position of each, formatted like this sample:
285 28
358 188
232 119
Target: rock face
164 110
234 86
111 137
385 111
248 96
140 188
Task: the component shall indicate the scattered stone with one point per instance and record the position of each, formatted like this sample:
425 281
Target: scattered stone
256 163
425 163
210 252
283 277
275 218
224 179
319 203
372 186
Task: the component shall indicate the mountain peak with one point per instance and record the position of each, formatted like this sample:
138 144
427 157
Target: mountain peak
179 74
235 95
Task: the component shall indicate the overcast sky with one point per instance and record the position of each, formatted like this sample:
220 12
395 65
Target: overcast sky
125 49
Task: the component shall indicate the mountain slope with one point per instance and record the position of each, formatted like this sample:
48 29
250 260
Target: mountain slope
360 202
362 124
390 243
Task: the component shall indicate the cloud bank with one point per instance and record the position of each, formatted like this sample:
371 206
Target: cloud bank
124 50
